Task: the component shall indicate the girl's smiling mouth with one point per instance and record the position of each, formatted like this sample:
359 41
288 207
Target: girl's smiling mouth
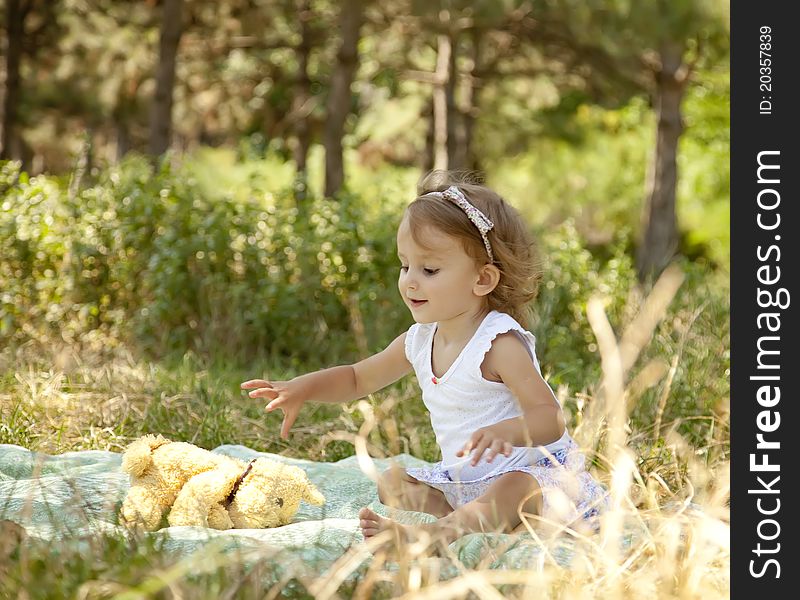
416 303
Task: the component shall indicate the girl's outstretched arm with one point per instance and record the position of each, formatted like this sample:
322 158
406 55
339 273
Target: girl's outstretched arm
337 384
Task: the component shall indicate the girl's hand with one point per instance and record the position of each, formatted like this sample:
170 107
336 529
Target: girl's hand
491 438
286 395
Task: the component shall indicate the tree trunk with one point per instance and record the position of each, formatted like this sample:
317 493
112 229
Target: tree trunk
15 25
83 165
121 118
161 109
427 157
339 99
470 111
474 87
440 120
123 137
302 98
455 138
660 240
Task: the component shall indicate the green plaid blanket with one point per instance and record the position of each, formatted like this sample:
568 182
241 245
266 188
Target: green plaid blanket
71 496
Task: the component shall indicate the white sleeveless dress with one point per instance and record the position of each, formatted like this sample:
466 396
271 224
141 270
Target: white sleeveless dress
462 401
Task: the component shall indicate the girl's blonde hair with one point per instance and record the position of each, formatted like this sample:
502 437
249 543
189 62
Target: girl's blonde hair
515 252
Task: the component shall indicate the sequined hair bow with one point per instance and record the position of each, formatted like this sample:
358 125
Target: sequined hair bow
480 220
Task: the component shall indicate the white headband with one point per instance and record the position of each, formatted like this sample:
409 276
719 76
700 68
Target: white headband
479 219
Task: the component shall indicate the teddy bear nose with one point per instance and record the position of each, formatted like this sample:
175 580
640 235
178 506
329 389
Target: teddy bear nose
279 501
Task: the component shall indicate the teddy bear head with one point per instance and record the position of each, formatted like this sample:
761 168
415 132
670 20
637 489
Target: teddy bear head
270 494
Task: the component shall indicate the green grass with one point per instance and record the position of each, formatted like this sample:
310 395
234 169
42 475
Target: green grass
55 399
77 374
109 566
105 406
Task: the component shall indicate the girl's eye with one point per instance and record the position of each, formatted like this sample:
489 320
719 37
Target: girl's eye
403 268
430 271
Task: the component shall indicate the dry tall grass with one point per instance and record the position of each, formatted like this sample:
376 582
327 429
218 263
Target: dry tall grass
666 535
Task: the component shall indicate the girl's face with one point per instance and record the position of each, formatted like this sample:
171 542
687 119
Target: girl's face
437 282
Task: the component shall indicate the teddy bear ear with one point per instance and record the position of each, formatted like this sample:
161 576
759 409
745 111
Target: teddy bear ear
312 495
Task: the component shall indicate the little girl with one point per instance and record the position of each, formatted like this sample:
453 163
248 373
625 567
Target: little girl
467 271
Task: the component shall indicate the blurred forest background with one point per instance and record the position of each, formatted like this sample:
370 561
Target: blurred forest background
224 178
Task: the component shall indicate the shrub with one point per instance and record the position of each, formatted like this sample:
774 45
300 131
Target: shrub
148 260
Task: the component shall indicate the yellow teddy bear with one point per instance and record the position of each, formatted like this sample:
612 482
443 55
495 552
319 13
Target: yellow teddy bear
208 489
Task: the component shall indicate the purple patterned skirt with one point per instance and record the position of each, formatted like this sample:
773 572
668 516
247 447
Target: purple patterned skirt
569 493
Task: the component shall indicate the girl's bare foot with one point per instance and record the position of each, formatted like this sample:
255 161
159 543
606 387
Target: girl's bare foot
408 540
372 524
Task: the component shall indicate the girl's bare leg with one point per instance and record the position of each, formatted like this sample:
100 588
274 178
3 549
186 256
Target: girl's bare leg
399 490
497 510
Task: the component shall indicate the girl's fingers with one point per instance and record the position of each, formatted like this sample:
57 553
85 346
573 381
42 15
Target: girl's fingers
494 450
479 450
472 443
274 404
507 448
264 393
288 421
256 383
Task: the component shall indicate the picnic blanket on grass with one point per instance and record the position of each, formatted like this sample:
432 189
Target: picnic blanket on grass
69 497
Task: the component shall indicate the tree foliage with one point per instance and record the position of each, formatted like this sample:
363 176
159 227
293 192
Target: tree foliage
468 84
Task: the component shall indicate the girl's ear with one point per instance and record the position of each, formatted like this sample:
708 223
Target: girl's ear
488 278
